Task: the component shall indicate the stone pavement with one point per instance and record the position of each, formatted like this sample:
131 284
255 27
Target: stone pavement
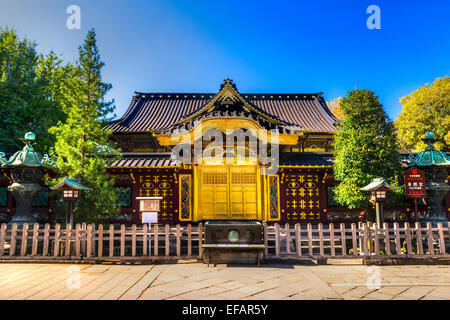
192 280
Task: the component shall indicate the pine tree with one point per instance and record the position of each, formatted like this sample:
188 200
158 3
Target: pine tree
83 147
365 147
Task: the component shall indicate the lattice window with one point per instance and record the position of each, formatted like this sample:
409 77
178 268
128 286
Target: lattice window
124 196
273 196
42 199
185 197
243 178
214 178
3 196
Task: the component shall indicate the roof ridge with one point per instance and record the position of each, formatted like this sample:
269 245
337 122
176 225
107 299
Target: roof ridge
139 93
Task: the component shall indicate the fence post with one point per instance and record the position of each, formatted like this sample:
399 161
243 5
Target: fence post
377 240
408 238
93 240
298 238
83 236
387 240
23 246
133 240
77 240
365 240
441 238
144 240
288 238
156 241
111 240
277 239
46 240
166 240
266 240
68 231
343 239
189 240
122 240
321 240
331 228
419 238
178 241
34 245
12 248
100 241
89 240
200 240
430 238
398 250
56 240
354 240
310 247
2 238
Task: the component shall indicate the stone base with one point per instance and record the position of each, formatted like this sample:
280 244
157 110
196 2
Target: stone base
388 261
217 256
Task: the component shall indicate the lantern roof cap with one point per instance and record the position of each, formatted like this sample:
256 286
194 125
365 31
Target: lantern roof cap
69 183
430 156
378 183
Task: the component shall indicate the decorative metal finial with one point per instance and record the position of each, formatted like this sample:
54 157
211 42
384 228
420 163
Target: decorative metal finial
27 156
429 139
229 82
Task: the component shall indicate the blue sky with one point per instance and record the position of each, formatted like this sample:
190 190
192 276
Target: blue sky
279 46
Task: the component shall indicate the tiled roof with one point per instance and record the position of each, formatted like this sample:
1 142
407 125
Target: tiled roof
144 160
159 111
310 159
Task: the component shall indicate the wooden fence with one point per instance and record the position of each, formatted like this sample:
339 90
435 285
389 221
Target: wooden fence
88 242
364 239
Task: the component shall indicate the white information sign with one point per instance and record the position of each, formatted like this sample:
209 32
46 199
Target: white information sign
149 217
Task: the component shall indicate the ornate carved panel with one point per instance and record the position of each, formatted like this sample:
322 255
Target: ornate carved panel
274 198
302 196
160 184
185 197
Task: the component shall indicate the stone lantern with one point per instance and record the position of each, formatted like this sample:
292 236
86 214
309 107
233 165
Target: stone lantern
27 168
436 166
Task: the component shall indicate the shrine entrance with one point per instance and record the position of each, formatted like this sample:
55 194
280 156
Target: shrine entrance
229 192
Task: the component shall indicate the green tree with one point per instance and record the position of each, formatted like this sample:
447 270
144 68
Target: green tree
426 109
30 85
82 146
365 147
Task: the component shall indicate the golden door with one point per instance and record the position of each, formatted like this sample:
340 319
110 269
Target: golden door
228 193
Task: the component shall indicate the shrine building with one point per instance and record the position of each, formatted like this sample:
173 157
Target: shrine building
281 171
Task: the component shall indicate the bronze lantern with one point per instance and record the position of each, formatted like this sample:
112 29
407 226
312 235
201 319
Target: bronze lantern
378 188
70 188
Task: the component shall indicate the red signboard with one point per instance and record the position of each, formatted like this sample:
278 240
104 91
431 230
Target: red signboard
415 186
